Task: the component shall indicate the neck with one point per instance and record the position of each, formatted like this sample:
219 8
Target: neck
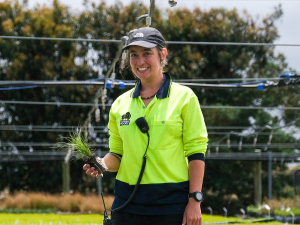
154 84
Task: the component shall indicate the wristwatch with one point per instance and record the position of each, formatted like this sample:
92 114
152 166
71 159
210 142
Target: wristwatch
197 195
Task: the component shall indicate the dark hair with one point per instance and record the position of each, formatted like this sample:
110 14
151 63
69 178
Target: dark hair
164 61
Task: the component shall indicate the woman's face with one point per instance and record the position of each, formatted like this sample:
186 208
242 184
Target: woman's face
145 62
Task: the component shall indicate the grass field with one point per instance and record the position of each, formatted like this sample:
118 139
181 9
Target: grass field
90 219
50 219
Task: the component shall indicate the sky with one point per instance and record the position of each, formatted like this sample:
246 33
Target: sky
288 26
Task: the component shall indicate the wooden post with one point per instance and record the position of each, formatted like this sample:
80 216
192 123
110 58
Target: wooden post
270 177
66 172
257 183
66 177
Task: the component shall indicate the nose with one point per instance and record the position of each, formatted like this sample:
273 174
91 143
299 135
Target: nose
140 60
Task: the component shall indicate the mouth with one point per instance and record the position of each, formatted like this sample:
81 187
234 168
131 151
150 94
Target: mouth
142 69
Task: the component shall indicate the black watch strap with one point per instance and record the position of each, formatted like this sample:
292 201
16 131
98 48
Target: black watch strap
197 195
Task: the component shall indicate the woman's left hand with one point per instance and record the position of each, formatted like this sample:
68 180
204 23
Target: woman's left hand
192 214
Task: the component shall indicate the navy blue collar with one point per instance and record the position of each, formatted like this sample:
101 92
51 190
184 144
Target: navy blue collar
163 91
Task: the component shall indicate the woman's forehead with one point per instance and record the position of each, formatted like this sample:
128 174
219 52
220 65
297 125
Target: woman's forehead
135 48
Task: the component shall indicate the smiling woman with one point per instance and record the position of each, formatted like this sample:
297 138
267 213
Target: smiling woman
145 64
147 58
148 48
169 188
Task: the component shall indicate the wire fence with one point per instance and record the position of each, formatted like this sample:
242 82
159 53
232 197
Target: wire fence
19 156
167 42
108 105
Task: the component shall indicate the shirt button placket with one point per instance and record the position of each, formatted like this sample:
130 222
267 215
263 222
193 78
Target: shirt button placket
144 110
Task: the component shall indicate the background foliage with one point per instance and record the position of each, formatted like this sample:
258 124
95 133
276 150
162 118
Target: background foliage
228 183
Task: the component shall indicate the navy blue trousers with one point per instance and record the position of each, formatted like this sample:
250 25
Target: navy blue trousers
123 218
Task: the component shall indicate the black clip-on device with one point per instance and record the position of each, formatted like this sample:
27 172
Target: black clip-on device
144 128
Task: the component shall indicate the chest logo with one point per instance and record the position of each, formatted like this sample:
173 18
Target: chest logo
125 119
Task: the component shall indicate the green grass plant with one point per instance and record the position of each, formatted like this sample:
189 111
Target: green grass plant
76 142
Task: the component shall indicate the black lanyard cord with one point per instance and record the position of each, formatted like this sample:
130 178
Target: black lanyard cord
138 181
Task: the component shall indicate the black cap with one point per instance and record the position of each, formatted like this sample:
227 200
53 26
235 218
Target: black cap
147 37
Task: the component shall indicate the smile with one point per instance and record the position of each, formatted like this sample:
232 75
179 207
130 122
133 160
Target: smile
142 69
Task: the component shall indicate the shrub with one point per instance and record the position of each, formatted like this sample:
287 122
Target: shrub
251 209
278 212
64 203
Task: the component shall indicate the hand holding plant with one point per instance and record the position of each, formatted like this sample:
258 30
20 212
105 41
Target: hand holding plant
80 149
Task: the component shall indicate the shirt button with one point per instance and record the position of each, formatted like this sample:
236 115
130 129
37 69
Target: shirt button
143 107
163 122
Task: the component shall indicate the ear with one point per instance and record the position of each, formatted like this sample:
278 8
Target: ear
164 53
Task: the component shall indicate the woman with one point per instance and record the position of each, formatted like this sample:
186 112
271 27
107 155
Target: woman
170 189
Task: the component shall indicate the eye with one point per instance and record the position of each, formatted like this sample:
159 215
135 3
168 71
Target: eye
132 55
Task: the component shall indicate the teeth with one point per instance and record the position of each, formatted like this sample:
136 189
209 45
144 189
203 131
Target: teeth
142 69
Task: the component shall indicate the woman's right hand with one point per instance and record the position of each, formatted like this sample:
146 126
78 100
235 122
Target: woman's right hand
111 162
91 171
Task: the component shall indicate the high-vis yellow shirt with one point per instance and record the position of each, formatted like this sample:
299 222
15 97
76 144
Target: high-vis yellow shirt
177 132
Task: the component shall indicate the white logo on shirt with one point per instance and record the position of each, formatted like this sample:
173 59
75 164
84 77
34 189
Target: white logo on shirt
122 123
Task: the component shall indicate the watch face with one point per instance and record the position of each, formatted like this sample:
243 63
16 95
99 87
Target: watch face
199 196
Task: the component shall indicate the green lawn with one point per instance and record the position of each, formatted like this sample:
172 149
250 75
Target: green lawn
50 219
89 219
206 219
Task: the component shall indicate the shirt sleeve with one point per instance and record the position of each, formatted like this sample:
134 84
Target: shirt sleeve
194 129
115 141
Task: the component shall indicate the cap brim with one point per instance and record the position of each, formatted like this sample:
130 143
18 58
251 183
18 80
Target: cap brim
144 44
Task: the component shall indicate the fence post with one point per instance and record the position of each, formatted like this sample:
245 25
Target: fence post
257 182
66 172
270 176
